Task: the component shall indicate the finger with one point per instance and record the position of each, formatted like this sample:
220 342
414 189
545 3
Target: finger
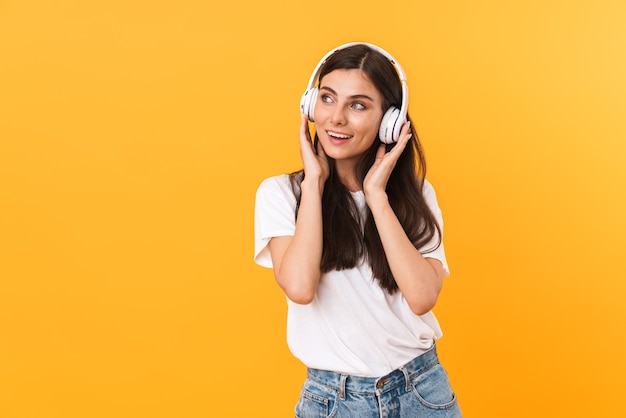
304 128
406 128
405 135
381 151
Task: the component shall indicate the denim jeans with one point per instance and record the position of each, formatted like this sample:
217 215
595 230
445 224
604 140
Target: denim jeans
419 389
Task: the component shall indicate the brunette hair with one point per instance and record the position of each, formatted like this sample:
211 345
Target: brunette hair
347 238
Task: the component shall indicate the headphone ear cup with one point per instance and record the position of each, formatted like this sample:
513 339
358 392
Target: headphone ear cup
307 102
387 131
397 127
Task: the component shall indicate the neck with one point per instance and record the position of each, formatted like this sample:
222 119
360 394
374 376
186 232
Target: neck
347 175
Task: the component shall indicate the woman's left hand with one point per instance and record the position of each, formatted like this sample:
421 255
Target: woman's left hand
375 181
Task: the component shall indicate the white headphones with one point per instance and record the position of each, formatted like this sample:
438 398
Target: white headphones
392 121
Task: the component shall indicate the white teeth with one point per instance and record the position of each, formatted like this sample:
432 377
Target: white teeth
340 136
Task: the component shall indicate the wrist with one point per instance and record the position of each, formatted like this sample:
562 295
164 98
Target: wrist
377 200
313 184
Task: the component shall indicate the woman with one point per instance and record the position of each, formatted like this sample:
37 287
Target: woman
355 242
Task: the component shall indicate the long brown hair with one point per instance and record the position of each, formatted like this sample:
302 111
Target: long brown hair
347 239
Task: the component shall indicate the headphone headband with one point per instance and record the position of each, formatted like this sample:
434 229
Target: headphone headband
392 120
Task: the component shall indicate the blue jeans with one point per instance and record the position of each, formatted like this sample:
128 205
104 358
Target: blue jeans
419 389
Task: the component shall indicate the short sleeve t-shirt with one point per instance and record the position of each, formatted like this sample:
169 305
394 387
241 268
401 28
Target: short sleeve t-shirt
352 326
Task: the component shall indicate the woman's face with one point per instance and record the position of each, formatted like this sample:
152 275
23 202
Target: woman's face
348 112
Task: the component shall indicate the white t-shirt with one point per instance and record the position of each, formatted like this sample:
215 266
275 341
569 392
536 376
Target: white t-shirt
352 325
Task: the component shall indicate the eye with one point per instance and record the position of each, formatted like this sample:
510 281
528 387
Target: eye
326 98
358 106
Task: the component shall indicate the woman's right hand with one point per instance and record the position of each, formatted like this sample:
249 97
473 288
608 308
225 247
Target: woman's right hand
315 163
296 259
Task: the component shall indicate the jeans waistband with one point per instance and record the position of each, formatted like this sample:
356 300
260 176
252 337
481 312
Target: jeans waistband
403 375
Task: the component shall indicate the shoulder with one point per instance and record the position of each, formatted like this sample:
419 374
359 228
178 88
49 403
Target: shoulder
428 190
275 183
276 188
430 196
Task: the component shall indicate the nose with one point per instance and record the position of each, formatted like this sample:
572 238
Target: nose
338 117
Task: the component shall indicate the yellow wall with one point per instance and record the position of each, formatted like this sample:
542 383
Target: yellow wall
133 135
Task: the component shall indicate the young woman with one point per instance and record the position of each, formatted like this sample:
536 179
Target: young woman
355 242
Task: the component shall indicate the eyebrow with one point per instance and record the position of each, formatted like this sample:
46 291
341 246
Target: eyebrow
355 96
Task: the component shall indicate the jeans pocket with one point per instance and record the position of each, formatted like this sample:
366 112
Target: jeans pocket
432 388
316 401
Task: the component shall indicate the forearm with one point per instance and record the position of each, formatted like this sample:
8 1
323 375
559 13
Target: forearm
299 271
418 280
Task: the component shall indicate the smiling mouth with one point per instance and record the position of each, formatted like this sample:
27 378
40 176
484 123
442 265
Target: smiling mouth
339 136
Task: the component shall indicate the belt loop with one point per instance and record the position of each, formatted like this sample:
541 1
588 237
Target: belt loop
407 379
342 387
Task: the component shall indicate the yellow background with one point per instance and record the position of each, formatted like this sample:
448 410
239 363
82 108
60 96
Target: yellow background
133 135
